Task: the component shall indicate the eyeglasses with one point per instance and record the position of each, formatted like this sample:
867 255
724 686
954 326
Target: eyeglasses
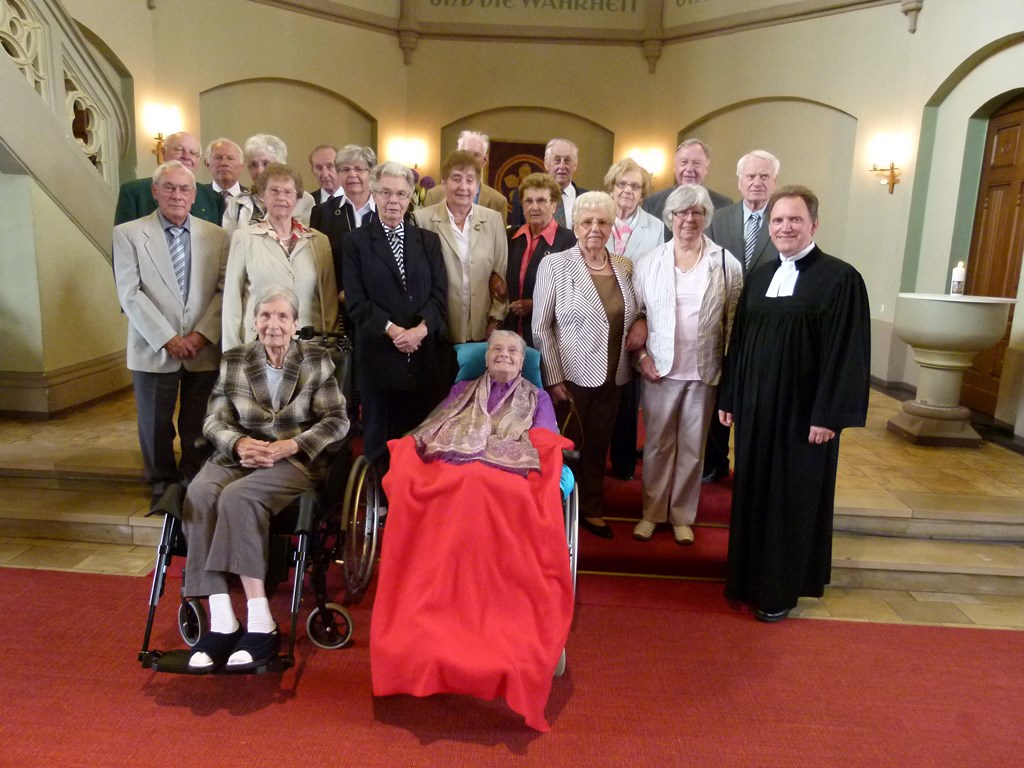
688 214
281 192
170 189
180 150
387 194
353 169
632 185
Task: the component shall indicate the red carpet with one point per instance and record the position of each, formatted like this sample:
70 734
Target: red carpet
661 673
660 556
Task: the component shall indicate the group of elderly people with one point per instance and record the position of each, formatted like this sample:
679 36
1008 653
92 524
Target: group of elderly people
601 301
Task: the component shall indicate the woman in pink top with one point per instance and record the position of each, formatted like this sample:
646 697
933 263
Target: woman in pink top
689 288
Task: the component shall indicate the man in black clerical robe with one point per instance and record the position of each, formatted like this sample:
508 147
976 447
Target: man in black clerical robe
795 375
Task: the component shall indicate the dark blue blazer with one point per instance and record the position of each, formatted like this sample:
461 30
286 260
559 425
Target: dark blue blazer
374 295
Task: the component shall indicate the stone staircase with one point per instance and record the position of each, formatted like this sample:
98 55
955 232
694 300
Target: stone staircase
883 540
932 542
99 500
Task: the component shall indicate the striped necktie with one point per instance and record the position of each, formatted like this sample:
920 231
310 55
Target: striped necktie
560 212
397 247
750 237
179 260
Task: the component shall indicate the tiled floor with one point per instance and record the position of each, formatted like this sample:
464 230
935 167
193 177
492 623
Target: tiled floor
879 474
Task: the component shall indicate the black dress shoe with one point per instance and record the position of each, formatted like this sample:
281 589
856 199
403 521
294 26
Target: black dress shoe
623 474
771 616
603 531
714 474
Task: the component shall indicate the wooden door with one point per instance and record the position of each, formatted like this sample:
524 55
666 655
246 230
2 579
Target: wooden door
997 243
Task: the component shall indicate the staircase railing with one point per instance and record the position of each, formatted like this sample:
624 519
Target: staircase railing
62 119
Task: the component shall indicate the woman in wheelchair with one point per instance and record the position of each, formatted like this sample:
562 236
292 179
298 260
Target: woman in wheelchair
275 408
475 593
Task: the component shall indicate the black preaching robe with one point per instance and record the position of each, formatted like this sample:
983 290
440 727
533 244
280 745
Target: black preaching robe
793 362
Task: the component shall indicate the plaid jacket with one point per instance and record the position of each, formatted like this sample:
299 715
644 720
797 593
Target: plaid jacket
312 411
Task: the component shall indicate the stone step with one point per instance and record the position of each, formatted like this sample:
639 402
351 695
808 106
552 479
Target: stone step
927 565
90 506
919 515
883 540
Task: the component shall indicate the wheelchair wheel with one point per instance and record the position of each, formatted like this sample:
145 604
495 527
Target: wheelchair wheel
361 508
192 622
331 628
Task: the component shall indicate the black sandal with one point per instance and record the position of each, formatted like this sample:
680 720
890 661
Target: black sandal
261 646
218 646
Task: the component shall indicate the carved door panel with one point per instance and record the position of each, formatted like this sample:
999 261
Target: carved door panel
997 243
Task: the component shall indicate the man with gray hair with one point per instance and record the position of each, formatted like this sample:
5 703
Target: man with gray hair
479 146
321 162
561 159
690 166
169 270
135 199
223 159
742 229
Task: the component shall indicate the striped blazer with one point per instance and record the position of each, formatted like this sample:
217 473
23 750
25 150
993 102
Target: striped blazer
312 408
654 283
570 327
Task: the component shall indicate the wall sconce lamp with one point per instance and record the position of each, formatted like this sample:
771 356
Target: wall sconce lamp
653 159
411 152
889 176
158 149
160 121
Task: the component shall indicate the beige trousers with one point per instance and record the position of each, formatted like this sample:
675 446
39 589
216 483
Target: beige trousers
676 419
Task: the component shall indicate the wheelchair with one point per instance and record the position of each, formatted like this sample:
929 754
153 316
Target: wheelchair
309 534
364 494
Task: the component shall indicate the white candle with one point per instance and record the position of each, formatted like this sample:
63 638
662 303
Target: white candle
956 285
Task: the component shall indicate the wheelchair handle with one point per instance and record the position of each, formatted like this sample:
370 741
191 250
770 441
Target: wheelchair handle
570 455
308 333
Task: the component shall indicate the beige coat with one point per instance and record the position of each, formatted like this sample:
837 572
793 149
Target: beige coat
257 262
488 253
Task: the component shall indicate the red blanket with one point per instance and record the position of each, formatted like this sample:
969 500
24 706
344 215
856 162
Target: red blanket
475 592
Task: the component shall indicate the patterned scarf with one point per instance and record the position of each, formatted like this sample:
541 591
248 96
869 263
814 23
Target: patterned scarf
464 431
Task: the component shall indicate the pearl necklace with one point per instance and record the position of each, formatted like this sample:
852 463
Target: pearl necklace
699 257
599 268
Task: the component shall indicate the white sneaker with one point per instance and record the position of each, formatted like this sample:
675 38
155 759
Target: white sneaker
643 531
683 534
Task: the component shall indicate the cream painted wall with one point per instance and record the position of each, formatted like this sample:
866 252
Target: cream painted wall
81 316
57 298
265 42
227 111
21 344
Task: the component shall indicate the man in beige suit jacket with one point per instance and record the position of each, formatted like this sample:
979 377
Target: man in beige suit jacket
169 269
474 247
479 146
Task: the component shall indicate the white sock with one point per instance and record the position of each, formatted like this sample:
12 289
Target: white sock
260 619
222 614
222 620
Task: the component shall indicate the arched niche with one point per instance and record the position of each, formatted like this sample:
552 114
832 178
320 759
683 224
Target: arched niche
302 115
537 125
813 141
